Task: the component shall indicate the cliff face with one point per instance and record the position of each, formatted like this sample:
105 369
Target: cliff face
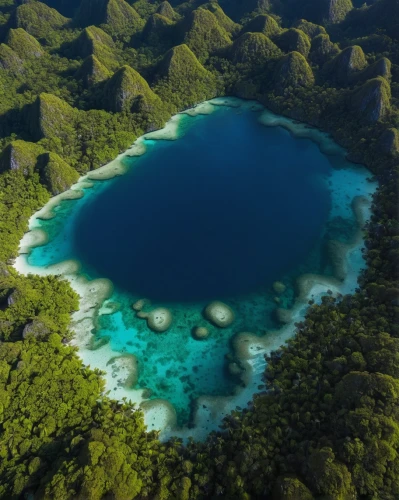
336 10
390 142
9 59
92 71
28 158
49 116
21 156
125 89
292 71
166 10
371 102
382 67
342 68
94 41
56 174
24 44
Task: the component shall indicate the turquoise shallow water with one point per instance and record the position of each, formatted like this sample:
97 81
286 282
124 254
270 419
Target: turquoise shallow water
219 214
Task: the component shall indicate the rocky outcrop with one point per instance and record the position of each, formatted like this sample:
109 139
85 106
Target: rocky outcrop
293 40
343 67
38 19
181 71
37 329
117 14
322 49
50 116
224 21
310 29
382 67
56 174
9 59
24 44
128 91
262 24
166 10
389 142
204 35
335 11
93 41
158 29
92 71
253 48
290 488
22 156
292 71
371 102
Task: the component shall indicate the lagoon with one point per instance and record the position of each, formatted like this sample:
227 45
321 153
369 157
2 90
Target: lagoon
225 201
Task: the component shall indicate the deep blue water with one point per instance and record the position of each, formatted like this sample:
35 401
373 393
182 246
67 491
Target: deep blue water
229 208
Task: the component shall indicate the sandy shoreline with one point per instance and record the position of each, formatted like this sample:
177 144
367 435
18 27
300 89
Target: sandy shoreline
249 349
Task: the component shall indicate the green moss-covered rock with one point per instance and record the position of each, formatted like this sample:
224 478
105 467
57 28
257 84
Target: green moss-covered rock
117 16
49 116
292 71
158 29
92 71
263 24
322 49
342 68
238 9
24 44
336 10
56 174
128 91
309 28
38 19
389 142
254 49
182 78
224 21
94 41
290 488
328 477
166 10
371 102
293 40
21 156
204 35
382 67
9 59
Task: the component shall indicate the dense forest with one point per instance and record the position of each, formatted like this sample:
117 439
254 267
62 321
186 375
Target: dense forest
79 81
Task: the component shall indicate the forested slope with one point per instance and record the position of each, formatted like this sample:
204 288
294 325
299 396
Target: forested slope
79 81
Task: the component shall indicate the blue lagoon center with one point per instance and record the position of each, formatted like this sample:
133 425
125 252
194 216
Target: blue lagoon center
219 208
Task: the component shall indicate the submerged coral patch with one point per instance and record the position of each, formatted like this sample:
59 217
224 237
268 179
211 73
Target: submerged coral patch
199 260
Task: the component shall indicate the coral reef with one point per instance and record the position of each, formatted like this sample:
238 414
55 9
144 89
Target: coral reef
159 319
219 314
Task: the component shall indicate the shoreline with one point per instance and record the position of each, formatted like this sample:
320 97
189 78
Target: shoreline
249 348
